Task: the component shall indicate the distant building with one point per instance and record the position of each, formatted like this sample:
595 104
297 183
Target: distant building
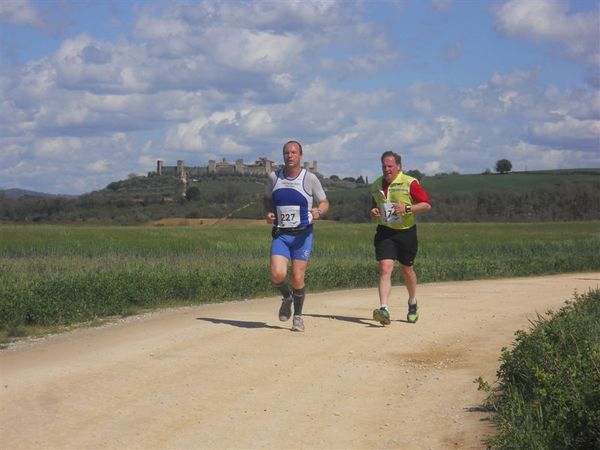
261 167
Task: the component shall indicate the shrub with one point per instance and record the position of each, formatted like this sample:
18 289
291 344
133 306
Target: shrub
549 384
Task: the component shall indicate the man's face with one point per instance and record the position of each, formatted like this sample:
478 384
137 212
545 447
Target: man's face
390 169
291 155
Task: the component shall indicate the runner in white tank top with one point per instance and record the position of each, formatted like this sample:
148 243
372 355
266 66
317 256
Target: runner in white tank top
289 197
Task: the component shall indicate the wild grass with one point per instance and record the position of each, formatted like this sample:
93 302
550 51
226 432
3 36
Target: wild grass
53 275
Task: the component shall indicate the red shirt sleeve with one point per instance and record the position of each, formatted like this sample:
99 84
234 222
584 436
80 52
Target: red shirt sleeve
417 193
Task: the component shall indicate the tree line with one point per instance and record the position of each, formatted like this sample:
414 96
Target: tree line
132 202
564 201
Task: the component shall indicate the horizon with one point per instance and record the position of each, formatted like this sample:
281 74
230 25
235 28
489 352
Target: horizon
439 174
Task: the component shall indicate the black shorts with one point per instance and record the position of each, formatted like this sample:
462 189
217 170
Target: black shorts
394 244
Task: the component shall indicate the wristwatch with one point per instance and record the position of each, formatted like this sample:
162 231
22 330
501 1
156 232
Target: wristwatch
407 209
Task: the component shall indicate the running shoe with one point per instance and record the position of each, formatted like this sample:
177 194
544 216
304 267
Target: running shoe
412 315
298 324
285 310
382 315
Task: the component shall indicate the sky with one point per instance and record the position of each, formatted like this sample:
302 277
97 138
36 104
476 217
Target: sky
92 92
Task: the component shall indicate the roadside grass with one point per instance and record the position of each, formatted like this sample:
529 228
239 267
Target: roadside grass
548 393
57 275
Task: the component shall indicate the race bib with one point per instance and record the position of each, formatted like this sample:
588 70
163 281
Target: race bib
288 216
388 215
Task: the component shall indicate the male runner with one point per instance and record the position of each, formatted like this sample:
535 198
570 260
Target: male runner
396 198
288 201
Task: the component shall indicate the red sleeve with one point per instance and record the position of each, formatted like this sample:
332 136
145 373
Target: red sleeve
417 193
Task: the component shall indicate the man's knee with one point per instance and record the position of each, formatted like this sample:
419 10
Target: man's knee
298 273
408 272
386 267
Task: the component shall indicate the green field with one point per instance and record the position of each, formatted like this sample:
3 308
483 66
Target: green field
515 181
56 275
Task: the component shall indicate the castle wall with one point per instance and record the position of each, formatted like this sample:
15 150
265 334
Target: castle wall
261 167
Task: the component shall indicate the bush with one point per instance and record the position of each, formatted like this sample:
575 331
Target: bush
549 384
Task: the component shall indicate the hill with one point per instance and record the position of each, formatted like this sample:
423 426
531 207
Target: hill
572 194
520 196
16 193
514 181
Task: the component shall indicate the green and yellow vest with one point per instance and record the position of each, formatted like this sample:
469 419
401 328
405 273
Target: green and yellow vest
398 192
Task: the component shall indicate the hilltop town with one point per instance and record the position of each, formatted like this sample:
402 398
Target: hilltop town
261 167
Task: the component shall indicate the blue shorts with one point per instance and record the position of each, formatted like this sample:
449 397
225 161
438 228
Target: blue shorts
296 245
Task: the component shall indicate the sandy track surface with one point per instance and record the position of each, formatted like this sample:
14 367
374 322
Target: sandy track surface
232 376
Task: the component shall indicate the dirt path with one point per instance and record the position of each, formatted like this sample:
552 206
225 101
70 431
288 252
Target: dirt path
233 376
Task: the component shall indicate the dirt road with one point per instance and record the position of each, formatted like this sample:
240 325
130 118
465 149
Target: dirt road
232 376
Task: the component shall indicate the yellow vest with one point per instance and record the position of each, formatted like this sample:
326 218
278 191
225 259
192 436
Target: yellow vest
398 192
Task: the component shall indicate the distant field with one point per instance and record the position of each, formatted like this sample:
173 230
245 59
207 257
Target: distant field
515 181
54 274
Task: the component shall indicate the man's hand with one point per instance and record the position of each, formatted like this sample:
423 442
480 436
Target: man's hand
399 208
270 218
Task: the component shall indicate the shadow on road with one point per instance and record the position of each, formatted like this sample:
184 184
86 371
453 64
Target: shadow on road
240 323
345 319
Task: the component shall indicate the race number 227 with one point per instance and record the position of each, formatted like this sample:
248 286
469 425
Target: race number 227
287 217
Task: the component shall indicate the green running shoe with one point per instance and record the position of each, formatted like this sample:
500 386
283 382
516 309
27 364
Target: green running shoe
412 315
382 315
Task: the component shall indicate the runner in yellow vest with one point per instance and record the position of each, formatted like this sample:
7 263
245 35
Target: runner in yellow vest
396 198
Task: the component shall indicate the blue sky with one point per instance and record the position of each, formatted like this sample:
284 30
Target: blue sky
93 91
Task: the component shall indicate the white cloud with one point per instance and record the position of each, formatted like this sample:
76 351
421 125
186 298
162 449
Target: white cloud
568 130
423 105
550 21
202 135
99 166
19 12
335 147
253 51
65 148
432 167
113 68
449 129
257 123
526 156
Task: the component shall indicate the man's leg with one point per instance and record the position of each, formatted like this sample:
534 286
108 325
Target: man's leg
298 292
298 273
386 268
278 269
278 273
410 279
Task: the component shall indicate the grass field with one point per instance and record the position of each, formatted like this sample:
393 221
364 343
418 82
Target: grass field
515 181
55 275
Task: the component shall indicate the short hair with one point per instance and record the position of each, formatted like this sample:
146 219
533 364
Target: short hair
293 142
396 156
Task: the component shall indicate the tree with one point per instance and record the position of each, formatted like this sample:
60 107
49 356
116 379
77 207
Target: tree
192 193
503 166
415 174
